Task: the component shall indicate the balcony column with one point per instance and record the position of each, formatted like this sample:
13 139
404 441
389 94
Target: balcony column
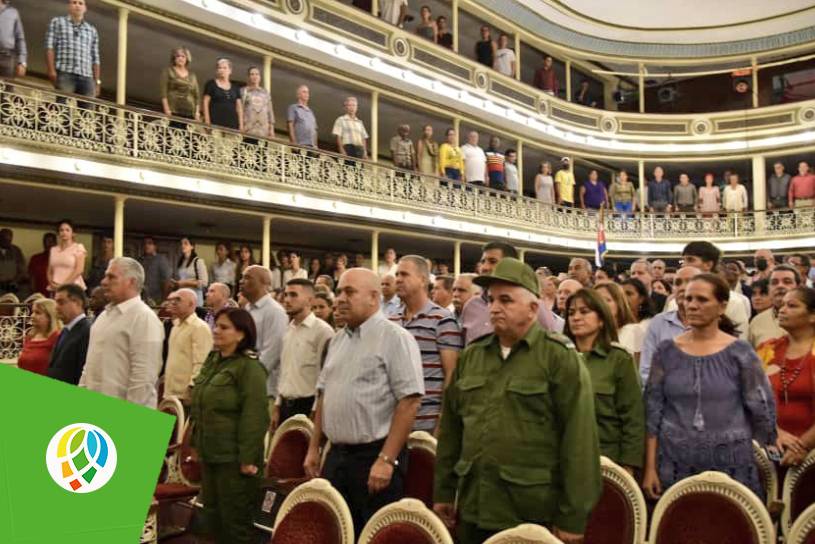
121 68
569 80
454 25
760 192
457 258
519 163
267 72
374 151
119 226
266 245
641 176
457 129
375 8
517 56
754 72
375 250
522 255
641 86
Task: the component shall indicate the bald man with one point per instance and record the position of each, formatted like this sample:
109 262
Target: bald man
580 270
566 289
189 345
216 300
271 323
368 394
667 325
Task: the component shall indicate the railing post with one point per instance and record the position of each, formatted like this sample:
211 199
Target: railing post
457 258
119 226
374 152
759 192
375 250
266 248
568 81
136 117
121 68
641 86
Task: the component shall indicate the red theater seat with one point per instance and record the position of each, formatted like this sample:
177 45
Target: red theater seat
314 513
620 515
408 521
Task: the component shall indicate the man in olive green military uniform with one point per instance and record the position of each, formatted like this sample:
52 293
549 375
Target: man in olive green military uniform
518 438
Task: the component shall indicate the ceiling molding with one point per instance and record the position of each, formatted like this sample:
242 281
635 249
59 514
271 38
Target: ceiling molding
534 23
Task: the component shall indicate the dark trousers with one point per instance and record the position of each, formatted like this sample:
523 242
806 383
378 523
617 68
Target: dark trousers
348 467
356 151
469 533
8 64
73 83
292 407
230 503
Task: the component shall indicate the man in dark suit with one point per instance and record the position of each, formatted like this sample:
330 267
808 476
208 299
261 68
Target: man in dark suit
68 356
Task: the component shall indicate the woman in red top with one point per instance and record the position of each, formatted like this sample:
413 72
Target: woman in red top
790 365
41 338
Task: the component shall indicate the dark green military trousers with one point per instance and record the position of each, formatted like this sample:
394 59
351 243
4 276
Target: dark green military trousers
470 533
231 501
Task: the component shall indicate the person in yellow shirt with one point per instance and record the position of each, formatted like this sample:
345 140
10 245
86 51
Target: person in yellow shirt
564 181
451 160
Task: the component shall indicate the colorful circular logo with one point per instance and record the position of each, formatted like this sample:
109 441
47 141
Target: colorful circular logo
81 458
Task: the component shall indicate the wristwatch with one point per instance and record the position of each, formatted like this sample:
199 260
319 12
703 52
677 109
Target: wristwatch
391 462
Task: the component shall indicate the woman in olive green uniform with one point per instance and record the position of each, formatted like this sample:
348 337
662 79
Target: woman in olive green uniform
617 393
230 414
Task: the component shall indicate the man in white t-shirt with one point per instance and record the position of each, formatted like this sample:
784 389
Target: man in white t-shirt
393 11
504 58
475 160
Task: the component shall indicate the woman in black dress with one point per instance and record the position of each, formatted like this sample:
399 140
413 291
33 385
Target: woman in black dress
221 103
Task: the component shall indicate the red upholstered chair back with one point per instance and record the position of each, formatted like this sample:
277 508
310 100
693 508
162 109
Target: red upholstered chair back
705 517
401 532
803 493
308 523
612 520
288 455
803 530
420 471
190 470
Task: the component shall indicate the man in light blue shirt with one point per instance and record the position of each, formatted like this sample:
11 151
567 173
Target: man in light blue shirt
667 325
390 300
271 322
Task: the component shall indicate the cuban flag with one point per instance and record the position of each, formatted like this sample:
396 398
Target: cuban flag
600 250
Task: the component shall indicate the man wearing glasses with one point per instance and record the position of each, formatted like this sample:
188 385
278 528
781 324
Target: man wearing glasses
72 52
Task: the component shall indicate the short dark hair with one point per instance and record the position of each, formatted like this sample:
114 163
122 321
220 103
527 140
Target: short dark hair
807 296
805 260
308 284
704 250
65 222
505 249
242 321
447 280
74 292
762 285
510 150
787 268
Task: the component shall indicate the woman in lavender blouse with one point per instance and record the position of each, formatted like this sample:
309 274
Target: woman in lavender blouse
707 398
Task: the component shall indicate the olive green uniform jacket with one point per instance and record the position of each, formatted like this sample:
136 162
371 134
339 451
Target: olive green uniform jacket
518 438
230 410
618 404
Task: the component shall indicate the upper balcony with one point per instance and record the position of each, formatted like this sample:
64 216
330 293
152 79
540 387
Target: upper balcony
331 34
43 135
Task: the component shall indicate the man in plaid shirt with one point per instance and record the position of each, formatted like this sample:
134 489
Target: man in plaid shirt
72 52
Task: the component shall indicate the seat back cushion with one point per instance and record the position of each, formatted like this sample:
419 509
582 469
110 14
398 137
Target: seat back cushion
286 460
308 523
612 520
803 494
401 532
705 517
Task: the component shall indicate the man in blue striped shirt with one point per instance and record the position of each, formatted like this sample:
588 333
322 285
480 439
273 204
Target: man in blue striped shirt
72 52
436 330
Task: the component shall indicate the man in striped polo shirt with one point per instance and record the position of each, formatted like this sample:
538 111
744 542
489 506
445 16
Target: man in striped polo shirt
435 329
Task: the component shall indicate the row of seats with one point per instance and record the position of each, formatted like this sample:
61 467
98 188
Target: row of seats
710 507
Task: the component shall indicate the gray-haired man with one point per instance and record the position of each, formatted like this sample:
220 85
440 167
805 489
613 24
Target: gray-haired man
124 350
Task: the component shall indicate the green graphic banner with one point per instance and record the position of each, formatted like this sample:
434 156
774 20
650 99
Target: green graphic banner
75 466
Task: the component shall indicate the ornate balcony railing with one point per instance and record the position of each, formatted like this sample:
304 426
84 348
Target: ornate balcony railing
15 319
51 123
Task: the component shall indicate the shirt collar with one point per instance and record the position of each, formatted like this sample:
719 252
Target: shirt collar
126 306
261 302
532 336
363 329
190 318
308 322
75 320
426 309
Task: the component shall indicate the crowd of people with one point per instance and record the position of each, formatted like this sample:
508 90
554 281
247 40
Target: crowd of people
73 65
642 365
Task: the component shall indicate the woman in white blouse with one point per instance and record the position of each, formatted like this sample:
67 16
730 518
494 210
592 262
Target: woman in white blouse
735 195
545 184
191 271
